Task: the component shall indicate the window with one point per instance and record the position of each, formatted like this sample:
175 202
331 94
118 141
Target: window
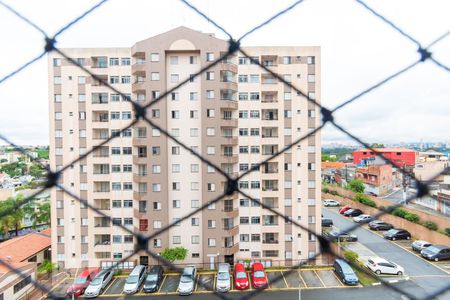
287 96
81 79
211 187
57 62
22 284
210 94
254 96
254 78
127 239
174 60
243 184
195 186
243 114
176 168
176 239
255 220
287 131
211 224
243 131
156 132
156 150
243 96
126 115
195 239
254 131
254 149
311 78
114 79
194 168
195 203
195 221
209 56
156 187
115 97
176 203
244 237
211 242
175 114
210 131
256 237
57 79
125 79
157 243
254 114
210 75
114 61
176 186
244 202
58 115
210 113
155 76
154 57
175 96
125 61
127 186
287 60
210 150
311 184
175 150
194 132
174 78
156 169
193 114
143 224
243 220
311 60
243 149
193 60
126 133
157 224
126 150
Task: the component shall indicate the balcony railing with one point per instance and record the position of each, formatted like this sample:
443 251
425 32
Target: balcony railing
270 241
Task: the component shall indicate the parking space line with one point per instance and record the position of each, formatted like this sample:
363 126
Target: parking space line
320 279
284 278
340 282
110 284
214 282
196 282
303 280
162 283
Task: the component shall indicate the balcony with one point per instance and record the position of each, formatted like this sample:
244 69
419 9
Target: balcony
99 98
270 238
99 62
101 186
270 221
102 222
227 76
102 151
269 132
269 97
269 149
104 239
269 114
269 60
271 202
230 249
231 212
100 116
102 204
231 230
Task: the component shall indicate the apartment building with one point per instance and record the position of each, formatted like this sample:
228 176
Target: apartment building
235 114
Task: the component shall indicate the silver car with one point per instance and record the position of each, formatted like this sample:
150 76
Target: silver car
134 280
223 278
98 284
187 280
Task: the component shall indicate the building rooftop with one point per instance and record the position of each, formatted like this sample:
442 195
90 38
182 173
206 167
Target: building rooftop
17 250
389 150
332 165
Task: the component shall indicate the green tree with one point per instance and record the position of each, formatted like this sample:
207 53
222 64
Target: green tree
36 171
327 157
377 145
38 215
42 153
173 254
13 219
355 185
47 267
14 169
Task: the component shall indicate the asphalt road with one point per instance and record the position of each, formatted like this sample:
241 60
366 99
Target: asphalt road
373 292
423 274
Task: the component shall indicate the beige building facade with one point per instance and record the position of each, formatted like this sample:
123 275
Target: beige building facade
235 114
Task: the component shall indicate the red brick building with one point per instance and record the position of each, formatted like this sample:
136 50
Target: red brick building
399 156
376 178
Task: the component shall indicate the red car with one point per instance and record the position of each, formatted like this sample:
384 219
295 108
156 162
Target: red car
344 209
259 278
82 281
240 277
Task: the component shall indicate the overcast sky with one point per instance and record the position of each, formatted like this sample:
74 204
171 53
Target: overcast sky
358 50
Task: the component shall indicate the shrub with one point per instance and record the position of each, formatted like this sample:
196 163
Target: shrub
334 193
399 212
370 202
351 256
390 209
355 185
412 217
430 225
325 189
364 200
447 231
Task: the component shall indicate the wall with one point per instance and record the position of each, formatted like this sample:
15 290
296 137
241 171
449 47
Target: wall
418 231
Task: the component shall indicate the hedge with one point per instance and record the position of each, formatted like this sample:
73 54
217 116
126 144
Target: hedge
351 256
430 225
325 189
400 212
334 193
412 217
361 198
447 231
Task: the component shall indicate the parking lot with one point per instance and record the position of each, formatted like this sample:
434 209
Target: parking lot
205 283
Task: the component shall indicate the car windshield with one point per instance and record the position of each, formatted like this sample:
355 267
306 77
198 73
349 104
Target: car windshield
223 276
80 280
97 281
433 249
186 279
241 275
392 231
259 274
151 277
132 279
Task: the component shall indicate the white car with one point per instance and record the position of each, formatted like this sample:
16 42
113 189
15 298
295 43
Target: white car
330 202
98 284
187 280
381 266
363 219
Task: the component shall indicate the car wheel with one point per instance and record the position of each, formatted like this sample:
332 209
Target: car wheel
378 272
394 238
399 273
436 259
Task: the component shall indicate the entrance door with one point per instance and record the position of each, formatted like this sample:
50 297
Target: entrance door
211 262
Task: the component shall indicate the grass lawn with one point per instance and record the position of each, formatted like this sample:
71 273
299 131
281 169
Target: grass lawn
364 278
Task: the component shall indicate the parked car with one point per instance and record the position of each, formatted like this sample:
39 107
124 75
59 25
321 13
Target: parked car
419 245
345 272
187 280
330 202
81 282
223 283
380 225
353 212
153 279
98 284
327 222
333 235
436 252
134 280
381 266
240 277
397 234
344 209
258 275
363 219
